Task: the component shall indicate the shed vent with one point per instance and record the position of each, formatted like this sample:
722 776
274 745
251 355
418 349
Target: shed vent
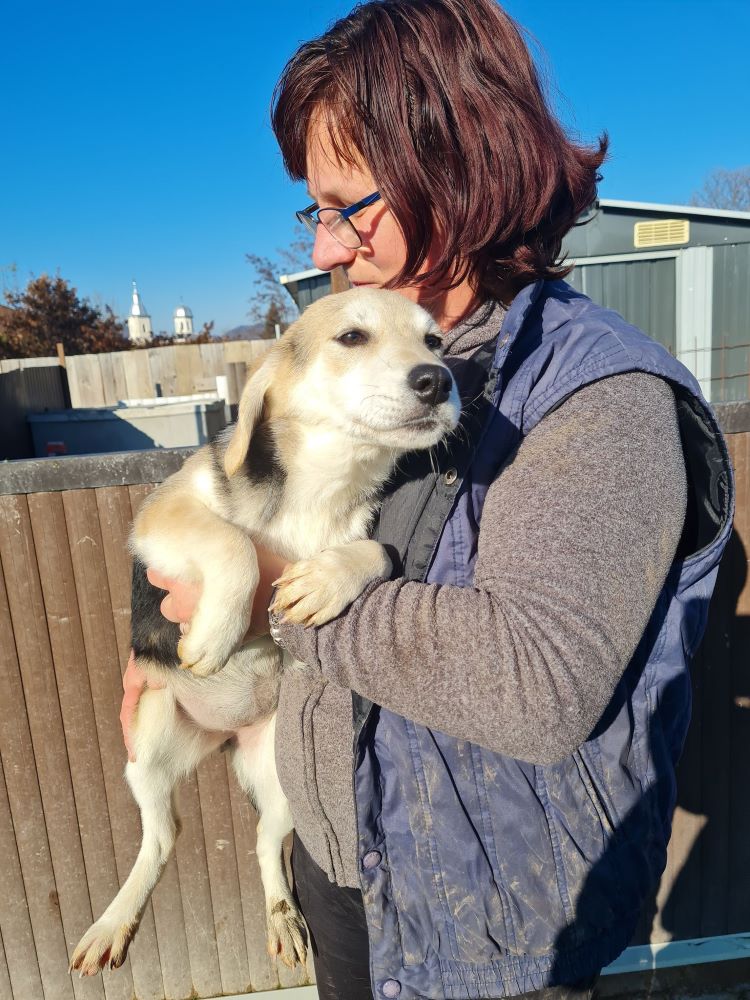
661 233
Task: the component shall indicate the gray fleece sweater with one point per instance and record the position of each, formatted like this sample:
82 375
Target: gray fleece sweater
526 660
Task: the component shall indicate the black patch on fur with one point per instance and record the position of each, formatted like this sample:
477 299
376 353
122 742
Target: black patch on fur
263 465
281 907
152 637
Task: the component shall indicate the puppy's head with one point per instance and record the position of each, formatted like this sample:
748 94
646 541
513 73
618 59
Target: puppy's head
366 363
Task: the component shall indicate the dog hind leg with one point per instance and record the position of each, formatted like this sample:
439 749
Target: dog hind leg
255 766
167 748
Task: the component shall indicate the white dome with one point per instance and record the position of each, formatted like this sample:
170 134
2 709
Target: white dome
182 312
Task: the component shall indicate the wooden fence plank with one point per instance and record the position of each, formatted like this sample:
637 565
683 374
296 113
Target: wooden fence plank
6 991
198 373
21 738
15 920
114 383
183 370
263 973
113 508
138 494
211 359
85 380
195 885
222 867
138 375
161 362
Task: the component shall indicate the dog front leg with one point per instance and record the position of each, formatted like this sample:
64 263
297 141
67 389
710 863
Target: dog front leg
204 548
255 766
314 591
230 577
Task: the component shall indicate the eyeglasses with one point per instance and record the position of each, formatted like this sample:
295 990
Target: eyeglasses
337 221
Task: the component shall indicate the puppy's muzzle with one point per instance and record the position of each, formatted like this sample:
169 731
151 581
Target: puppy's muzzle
432 384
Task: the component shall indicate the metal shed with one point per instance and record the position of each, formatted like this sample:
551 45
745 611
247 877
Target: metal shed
678 272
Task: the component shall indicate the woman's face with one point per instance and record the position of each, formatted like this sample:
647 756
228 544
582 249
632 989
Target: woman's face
334 184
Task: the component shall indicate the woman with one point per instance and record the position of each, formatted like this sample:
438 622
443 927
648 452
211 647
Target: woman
517 697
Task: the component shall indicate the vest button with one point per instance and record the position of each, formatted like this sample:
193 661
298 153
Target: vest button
450 477
391 988
372 859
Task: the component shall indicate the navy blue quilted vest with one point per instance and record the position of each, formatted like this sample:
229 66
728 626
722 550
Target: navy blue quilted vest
498 877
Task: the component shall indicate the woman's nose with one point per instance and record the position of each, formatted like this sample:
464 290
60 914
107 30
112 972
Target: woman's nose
328 252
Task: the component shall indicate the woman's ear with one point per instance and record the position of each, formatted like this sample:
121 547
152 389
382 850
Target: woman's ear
250 412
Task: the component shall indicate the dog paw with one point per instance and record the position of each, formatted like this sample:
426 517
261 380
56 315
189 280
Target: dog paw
287 935
199 660
103 946
314 591
216 630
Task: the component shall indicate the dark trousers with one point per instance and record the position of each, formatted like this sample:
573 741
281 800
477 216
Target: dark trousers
338 936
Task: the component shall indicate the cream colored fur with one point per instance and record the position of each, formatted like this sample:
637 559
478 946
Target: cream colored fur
337 411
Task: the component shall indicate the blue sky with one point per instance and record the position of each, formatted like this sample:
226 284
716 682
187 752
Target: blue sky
135 142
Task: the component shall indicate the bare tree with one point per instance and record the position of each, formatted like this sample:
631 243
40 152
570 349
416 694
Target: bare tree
728 189
266 289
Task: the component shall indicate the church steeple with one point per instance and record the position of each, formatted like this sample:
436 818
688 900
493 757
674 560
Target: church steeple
139 321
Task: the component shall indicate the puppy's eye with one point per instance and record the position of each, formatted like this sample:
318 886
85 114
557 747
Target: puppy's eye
353 338
433 342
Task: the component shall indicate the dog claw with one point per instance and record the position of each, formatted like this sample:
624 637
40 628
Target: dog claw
287 936
102 947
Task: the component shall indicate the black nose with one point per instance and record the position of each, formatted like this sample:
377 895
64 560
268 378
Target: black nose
431 383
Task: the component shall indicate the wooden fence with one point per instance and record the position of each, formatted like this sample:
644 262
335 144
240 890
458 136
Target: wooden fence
69 831
31 385
175 370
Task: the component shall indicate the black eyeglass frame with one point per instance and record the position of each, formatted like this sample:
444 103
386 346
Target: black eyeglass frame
311 216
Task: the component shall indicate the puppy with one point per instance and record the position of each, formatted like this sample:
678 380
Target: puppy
354 384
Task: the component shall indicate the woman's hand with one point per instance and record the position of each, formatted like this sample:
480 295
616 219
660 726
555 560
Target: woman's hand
133 684
181 600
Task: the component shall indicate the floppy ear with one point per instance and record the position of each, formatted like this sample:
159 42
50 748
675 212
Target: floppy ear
250 411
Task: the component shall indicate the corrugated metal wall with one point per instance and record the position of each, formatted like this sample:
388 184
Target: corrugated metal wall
25 390
731 323
312 289
643 291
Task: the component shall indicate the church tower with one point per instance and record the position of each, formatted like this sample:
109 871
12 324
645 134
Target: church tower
183 322
139 321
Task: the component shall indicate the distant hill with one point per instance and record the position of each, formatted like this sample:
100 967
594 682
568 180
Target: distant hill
244 332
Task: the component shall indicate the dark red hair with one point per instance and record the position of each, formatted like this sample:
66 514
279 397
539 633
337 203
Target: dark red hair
440 99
